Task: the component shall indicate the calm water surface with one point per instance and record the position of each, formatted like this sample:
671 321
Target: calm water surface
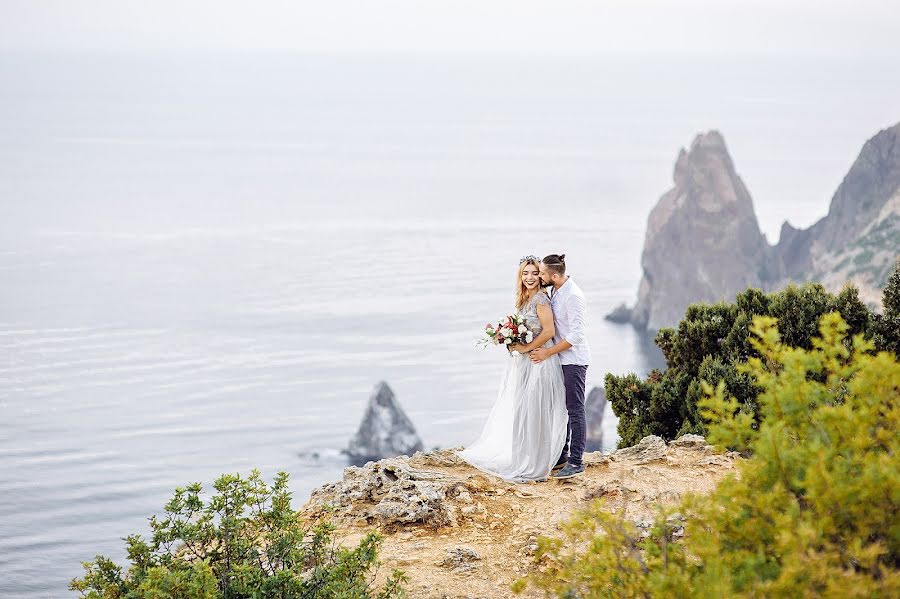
206 263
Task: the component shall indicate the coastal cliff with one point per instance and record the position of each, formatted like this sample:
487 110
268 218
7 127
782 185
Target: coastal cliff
859 239
703 242
458 532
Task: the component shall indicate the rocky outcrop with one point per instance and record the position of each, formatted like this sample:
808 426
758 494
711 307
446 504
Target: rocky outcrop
648 450
385 430
703 242
620 314
458 532
594 408
397 493
859 239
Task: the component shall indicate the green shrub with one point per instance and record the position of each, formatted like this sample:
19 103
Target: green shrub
707 344
814 512
246 541
887 324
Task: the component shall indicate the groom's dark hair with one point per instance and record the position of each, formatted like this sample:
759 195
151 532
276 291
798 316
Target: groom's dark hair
555 263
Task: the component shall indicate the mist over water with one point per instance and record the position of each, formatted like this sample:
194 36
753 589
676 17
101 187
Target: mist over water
156 142
207 262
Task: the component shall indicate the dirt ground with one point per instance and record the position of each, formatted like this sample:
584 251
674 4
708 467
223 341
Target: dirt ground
504 519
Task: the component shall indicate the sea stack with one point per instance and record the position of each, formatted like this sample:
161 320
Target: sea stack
385 430
703 242
594 407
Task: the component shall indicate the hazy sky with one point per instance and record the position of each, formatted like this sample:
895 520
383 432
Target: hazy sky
816 27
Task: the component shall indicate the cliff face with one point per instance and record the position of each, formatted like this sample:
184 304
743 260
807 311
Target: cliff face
703 242
860 237
458 532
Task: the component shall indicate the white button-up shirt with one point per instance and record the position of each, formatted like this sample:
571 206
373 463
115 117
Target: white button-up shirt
570 320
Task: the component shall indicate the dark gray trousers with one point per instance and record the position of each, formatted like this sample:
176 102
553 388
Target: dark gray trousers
574 376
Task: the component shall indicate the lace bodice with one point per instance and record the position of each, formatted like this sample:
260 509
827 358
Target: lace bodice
530 312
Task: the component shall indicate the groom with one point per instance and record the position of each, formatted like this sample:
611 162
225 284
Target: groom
569 314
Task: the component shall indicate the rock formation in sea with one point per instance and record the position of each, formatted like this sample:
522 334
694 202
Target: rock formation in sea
594 407
703 242
458 532
385 430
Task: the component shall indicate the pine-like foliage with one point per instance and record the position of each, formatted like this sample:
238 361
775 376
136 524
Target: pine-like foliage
814 512
245 542
707 344
887 324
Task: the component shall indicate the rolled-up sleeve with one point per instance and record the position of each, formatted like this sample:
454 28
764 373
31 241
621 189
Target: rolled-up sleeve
576 310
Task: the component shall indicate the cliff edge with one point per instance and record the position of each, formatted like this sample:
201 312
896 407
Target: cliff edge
458 532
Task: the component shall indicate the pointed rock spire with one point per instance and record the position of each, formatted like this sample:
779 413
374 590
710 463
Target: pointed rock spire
703 241
594 408
385 430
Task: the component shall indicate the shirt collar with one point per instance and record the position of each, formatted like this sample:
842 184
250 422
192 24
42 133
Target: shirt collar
565 286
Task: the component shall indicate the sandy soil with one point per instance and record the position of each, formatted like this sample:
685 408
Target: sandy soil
503 520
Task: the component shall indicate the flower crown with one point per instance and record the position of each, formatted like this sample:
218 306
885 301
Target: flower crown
529 258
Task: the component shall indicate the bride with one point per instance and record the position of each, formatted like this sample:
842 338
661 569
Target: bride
526 429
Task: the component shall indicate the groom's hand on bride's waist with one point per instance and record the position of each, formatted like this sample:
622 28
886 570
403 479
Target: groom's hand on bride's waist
539 355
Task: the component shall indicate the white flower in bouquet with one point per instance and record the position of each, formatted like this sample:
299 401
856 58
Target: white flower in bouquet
511 330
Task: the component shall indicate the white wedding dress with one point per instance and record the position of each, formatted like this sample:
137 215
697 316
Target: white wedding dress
526 429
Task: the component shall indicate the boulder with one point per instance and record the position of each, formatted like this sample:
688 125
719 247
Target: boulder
650 449
392 492
385 430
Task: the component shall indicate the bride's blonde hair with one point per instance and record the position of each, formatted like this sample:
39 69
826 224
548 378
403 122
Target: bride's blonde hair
521 291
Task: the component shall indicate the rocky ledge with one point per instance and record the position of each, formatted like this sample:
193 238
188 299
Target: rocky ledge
458 532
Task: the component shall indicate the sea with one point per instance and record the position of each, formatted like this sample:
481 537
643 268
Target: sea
208 261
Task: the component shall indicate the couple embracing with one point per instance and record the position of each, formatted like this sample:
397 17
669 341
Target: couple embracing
537 426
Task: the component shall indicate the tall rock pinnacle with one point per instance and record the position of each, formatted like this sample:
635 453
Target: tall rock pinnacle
703 241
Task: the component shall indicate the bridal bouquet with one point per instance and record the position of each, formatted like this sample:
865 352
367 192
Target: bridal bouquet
509 331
